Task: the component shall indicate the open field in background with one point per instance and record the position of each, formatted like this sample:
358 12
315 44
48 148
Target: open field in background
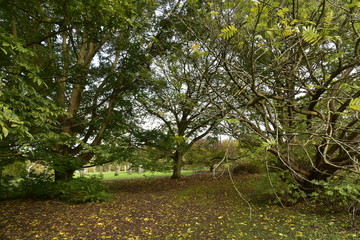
195 207
134 174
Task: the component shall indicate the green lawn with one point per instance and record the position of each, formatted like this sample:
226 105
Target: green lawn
126 175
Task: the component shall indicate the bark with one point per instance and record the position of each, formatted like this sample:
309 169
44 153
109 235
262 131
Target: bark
13 28
101 174
307 185
65 175
117 169
320 169
82 172
177 165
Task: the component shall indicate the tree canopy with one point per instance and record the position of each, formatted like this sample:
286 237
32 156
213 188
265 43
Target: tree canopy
290 73
76 77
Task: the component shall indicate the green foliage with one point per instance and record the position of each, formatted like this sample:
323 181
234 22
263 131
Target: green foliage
310 34
269 143
355 104
339 193
15 170
42 186
210 151
246 167
7 188
279 188
48 66
80 190
228 32
25 115
34 186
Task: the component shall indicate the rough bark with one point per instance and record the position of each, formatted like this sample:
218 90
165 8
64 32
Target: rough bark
177 165
64 175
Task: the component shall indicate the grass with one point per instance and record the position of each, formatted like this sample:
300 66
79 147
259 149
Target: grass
134 175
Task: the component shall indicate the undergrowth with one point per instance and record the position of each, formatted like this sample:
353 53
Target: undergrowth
79 190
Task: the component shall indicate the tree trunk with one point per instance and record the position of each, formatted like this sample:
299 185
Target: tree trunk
101 171
117 169
177 165
65 176
321 173
82 172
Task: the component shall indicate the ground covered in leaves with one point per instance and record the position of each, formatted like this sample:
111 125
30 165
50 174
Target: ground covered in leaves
196 207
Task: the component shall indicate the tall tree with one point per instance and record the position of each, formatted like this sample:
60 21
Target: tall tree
291 77
91 55
176 99
24 112
211 151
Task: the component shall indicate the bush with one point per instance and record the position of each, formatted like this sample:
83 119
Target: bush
339 193
6 188
80 190
277 188
248 168
35 185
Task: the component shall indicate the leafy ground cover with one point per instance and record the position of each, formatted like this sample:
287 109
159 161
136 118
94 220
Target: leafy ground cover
195 207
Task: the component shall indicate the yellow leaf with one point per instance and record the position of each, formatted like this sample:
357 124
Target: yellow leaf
355 104
195 47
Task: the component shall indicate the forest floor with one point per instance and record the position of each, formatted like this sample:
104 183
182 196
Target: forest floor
195 207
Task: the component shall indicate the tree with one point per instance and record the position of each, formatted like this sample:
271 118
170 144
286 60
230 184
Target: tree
290 73
24 112
211 151
176 99
91 55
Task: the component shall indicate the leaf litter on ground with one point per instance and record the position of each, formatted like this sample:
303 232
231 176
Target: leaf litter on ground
195 207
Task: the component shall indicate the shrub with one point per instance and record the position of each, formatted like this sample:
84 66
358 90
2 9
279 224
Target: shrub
35 185
278 188
339 193
6 188
249 168
80 190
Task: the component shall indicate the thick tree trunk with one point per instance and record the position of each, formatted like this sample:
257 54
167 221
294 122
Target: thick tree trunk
177 165
65 176
304 175
321 173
